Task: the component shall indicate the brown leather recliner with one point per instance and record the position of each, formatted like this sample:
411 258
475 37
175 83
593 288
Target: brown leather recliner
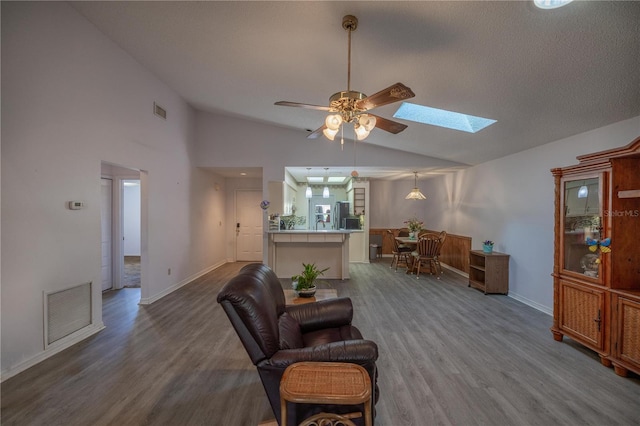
276 336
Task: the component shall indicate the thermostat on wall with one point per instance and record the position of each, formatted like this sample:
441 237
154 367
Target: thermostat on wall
76 205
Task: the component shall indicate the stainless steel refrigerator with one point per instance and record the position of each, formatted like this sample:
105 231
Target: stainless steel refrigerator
340 212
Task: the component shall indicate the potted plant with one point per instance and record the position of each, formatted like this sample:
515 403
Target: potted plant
487 246
414 225
304 283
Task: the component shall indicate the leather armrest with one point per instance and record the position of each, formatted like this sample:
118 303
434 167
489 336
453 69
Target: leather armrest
355 351
322 314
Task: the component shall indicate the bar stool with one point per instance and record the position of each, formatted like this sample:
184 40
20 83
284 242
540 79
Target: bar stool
326 383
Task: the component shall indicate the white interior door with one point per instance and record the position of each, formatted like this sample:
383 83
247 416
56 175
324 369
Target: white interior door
106 191
248 226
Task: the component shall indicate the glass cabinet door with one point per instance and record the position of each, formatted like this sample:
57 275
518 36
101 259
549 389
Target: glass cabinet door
582 227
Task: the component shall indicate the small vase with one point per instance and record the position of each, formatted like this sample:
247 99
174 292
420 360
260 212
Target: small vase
412 235
487 248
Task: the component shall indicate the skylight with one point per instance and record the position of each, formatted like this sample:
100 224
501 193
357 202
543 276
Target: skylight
442 118
551 4
336 179
315 179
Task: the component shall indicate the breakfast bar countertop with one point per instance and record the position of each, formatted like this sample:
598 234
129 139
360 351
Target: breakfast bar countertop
313 231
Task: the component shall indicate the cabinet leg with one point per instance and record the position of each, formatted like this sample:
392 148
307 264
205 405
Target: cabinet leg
620 371
605 361
557 336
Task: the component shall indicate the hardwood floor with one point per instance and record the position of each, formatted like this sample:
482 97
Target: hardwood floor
448 355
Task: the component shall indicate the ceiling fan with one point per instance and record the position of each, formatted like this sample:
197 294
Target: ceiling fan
352 107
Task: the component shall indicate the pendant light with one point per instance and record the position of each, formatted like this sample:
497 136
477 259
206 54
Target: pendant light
415 193
325 191
308 193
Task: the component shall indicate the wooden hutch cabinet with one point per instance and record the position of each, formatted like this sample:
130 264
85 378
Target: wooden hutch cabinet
596 273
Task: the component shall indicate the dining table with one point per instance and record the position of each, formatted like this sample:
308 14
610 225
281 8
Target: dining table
408 241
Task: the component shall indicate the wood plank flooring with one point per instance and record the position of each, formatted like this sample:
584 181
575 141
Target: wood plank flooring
449 355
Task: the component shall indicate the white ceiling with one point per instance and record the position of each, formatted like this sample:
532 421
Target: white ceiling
544 75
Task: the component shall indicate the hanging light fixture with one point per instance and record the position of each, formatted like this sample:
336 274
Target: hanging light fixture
325 191
344 105
415 193
308 193
352 106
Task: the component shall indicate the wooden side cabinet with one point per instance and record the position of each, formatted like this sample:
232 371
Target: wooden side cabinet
489 272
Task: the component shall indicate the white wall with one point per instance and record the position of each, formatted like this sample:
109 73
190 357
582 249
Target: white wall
71 98
511 201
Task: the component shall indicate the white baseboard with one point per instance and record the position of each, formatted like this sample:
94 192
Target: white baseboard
515 296
534 305
457 271
156 297
52 350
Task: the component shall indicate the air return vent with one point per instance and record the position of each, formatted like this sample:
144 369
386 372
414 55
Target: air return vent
159 111
66 312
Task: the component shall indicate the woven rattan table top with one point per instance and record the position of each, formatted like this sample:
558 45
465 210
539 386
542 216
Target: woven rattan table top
325 382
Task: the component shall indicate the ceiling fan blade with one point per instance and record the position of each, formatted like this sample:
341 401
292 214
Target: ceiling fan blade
299 105
391 94
389 125
317 133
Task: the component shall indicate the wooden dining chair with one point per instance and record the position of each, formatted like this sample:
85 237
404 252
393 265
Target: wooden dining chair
400 254
427 252
403 233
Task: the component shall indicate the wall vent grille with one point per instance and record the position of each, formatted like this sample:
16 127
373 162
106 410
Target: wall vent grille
66 311
159 111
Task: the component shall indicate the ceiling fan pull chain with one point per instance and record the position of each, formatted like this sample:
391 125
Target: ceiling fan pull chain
349 64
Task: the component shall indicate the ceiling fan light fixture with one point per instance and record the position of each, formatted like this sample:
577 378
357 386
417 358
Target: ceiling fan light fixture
361 132
349 105
367 121
330 134
333 122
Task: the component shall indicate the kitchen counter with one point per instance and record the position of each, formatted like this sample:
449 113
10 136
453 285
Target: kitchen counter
313 231
327 248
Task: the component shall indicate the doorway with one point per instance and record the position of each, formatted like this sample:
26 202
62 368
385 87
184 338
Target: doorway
131 232
248 226
121 221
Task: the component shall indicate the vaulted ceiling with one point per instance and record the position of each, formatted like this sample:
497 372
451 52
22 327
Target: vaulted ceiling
543 75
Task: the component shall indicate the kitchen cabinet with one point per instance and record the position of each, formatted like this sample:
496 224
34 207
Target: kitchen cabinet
596 276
